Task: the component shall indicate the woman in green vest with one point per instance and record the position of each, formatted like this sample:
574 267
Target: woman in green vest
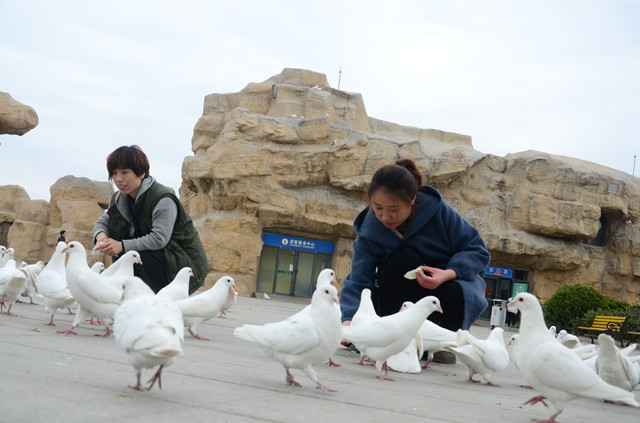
147 217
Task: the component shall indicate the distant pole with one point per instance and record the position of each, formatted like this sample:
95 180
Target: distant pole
634 164
339 76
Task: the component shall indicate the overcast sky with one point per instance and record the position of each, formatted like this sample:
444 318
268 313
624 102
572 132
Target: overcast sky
557 76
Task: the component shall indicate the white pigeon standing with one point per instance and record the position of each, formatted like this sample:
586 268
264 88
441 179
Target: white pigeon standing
365 313
552 369
325 278
123 267
205 305
614 367
432 337
232 297
31 271
12 284
407 360
178 288
481 356
568 340
52 283
93 292
380 339
149 328
299 343
98 267
6 255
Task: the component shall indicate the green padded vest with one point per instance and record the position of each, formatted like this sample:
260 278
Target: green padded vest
184 248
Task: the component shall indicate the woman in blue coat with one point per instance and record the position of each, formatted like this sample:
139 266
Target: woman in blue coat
405 226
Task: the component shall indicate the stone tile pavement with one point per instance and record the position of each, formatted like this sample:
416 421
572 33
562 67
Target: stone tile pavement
49 377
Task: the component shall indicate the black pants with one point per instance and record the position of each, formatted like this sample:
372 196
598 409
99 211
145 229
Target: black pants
153 270
394 289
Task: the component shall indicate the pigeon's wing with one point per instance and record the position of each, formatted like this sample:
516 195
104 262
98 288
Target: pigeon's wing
134 318
96 287
631 370
559 368
377 333
49 283
197 306
288 336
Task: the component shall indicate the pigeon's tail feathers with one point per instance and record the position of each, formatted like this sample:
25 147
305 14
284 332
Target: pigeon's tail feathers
167 351
605 391
160 341
251 333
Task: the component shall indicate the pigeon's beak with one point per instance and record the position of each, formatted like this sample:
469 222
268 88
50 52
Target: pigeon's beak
234 287
440 310
335 300
511 303
140 262
64 250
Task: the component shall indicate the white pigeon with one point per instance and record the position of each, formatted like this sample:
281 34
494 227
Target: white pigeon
325 278
365 313
552 330
568 340
6 255
52 283
149 328
432 337
31 271
614 367
481 356
552 369
178 288
206 305
407 360
123 267
380 339
93 292
300 343
98 267
266 297
12 284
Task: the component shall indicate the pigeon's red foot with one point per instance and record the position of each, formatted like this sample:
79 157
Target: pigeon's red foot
332 363
195 335
537 399
290 380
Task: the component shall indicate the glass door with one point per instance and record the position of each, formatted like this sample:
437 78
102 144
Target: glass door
304 280
284 276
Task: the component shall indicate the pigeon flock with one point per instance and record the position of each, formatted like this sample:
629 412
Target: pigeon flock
150 329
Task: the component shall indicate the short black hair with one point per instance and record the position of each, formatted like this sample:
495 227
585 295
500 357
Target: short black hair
128 157
62 232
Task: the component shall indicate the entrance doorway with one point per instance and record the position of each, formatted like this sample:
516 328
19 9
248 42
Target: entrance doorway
291 267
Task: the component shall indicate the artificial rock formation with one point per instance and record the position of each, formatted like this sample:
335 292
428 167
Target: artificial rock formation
15 118
34 225
293 155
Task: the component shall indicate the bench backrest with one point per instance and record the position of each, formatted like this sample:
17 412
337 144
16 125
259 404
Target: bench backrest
602 322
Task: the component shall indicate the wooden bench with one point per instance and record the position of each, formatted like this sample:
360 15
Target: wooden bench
611 325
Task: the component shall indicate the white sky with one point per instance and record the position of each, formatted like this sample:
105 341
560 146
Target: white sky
560 76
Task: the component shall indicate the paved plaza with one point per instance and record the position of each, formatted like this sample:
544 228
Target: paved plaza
49 377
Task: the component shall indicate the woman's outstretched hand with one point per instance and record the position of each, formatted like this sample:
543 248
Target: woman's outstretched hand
433 277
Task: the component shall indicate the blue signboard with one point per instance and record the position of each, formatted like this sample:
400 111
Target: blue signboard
311 245
498 271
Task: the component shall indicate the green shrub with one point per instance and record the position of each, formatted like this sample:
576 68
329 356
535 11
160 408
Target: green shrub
573 303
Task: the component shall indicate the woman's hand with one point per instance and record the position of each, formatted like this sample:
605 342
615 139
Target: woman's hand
109 246
433 277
